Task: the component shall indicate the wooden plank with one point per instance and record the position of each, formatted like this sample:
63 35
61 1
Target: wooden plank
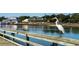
29 42
5 42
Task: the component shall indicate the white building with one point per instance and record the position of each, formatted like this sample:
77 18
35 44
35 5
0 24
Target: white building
11 20
26 20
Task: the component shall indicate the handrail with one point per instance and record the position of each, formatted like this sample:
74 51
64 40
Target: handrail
25 41
40 37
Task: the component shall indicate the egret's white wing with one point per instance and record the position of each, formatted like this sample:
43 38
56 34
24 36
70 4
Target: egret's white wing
60 27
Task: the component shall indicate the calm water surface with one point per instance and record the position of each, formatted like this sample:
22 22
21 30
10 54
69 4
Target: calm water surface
70 32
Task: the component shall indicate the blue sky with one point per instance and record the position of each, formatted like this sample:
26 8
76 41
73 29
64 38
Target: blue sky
24 14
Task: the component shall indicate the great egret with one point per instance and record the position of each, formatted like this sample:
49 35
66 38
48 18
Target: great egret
60 27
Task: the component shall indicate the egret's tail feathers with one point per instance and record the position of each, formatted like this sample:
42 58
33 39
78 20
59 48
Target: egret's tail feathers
62 31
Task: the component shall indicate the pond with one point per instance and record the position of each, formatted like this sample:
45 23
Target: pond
70 32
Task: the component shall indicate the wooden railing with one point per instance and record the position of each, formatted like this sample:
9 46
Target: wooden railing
57 40
19 40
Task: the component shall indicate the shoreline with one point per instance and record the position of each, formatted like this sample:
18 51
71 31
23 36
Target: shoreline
49 24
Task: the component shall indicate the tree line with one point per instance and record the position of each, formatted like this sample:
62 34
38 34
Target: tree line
68 18
64 18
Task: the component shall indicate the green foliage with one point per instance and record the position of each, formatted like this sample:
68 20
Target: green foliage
69 18
48 18
75 18
21 18
2 18
65 18
61 17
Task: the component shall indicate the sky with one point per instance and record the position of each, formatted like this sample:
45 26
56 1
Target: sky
24 14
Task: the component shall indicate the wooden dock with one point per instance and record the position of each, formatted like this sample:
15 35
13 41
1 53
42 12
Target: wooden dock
15 40
5 42
58 40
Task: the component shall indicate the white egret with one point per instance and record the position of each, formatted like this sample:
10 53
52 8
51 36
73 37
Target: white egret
60 27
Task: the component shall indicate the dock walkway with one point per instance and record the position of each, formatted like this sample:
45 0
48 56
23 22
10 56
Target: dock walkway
5 42
59 40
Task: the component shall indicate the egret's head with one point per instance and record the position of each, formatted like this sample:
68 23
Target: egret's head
56 19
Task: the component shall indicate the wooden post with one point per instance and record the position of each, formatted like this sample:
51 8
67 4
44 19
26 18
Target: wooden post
4 31
54 44
17 32
27 38
13 34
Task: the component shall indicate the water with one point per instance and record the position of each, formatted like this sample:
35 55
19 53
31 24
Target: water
70 32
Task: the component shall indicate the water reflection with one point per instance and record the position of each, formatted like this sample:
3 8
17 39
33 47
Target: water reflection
10 27
25 27
67 30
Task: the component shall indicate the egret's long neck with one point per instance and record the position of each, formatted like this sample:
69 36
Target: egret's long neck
57 22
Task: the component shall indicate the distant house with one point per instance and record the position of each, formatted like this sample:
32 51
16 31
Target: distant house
11 20
39 18
35 19
25 21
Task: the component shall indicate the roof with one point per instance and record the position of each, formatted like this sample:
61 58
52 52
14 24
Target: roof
12 18
26 20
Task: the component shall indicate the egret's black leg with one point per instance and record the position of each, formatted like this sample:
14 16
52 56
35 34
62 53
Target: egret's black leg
54 44
60 33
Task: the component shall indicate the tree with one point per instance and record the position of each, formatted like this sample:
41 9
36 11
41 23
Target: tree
75 18
67 18
61 17
2 18
21 18
48 18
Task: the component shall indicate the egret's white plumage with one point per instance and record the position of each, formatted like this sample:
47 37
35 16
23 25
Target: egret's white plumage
60 27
